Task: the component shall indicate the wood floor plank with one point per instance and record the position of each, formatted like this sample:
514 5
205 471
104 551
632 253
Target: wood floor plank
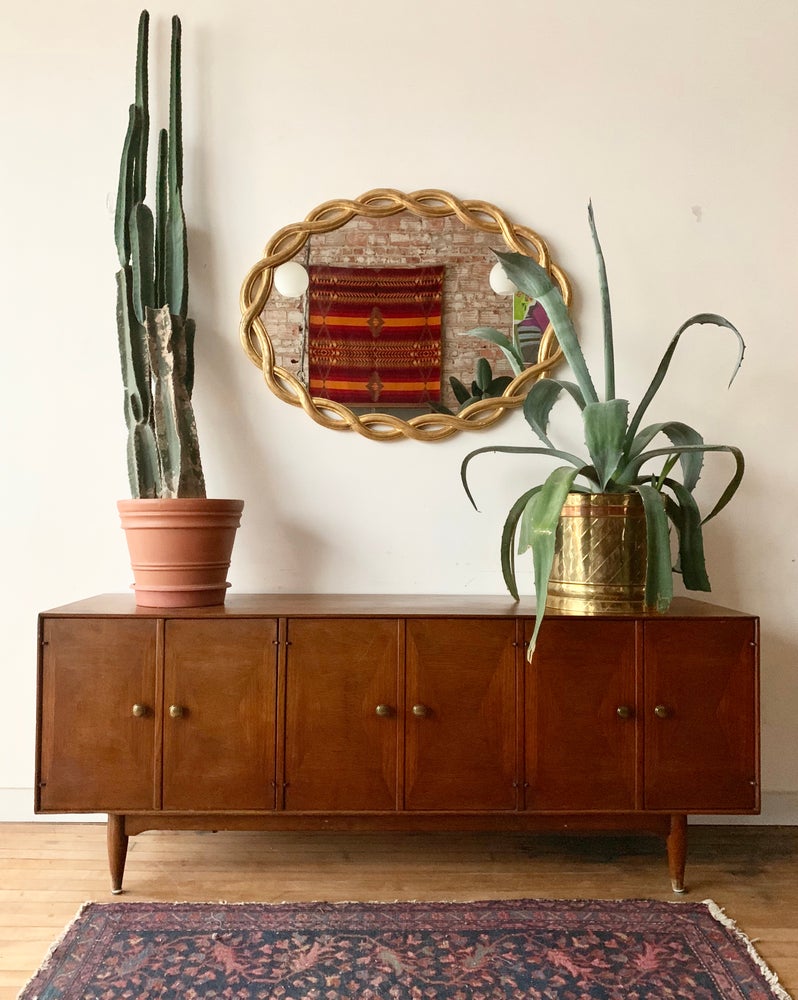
47 871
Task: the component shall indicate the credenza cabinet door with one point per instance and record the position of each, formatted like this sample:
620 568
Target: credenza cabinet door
98 724
460 715
582 732
341 714
220 690
701 715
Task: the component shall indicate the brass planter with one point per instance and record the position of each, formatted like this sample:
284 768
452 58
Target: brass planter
600 555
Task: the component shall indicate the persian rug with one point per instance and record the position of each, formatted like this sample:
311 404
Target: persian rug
570 950
374 335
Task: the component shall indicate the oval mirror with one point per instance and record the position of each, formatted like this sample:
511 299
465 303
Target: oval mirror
363 314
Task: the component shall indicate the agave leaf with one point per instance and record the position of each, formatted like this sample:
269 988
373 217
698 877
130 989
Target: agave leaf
679 434
634 466
683 512
516 450
606 311
538 531
498 385
731 488
605 429
484 374
508 538
541 398
659 572
509 349
461 394
532 279
662 370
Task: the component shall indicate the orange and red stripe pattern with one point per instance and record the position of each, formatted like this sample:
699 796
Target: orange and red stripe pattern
374 335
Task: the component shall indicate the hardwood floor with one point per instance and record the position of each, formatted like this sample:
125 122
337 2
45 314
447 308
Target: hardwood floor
47 870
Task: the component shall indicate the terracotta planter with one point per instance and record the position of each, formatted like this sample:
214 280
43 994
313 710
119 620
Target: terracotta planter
600 555
180 549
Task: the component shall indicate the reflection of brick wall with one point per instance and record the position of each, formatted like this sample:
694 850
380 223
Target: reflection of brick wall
406 240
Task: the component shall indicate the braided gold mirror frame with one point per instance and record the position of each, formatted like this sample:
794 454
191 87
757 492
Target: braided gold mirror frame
379 204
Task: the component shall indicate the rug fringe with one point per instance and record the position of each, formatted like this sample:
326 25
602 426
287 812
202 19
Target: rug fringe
773 980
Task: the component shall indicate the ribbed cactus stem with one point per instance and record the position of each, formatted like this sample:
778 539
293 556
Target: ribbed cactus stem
161 207
142 103
176 250
124 194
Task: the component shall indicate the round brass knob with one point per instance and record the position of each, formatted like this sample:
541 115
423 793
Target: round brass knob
176 711
624 712
139 710
661 711
383 710
420 711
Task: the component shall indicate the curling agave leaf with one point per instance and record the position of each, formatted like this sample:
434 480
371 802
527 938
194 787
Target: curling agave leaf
532 279
662 370
659 573
606 311
508 538
679 434
538 531
605 428
734 482
514 450
508 348
731 488
541 398
683 512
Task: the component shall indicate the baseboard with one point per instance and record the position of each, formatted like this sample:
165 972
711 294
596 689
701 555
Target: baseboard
16 806
778 809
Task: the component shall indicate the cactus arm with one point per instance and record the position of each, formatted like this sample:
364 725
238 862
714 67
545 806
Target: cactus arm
175 257
175 248
161 202
175 108
142 103
142 453
124 194
141 246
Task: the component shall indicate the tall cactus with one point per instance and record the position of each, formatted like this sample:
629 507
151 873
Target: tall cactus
156 336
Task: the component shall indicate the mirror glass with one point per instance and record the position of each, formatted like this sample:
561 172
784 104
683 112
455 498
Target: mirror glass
360 315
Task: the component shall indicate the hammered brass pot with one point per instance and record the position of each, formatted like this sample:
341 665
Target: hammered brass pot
600 555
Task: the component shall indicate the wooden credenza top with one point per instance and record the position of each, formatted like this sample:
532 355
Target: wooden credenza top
362 606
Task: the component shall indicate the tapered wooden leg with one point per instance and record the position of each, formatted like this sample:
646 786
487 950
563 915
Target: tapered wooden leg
117 850
677 851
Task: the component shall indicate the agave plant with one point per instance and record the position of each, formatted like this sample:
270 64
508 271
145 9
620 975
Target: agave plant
619 452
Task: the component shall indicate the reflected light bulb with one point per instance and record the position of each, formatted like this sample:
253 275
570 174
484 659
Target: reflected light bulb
499 281
291 279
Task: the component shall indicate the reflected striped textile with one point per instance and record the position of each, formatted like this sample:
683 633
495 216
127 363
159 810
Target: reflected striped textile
374 335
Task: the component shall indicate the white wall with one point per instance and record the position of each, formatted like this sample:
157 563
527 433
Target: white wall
677 119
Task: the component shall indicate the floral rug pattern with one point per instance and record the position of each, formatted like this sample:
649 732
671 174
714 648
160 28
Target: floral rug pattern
486 950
